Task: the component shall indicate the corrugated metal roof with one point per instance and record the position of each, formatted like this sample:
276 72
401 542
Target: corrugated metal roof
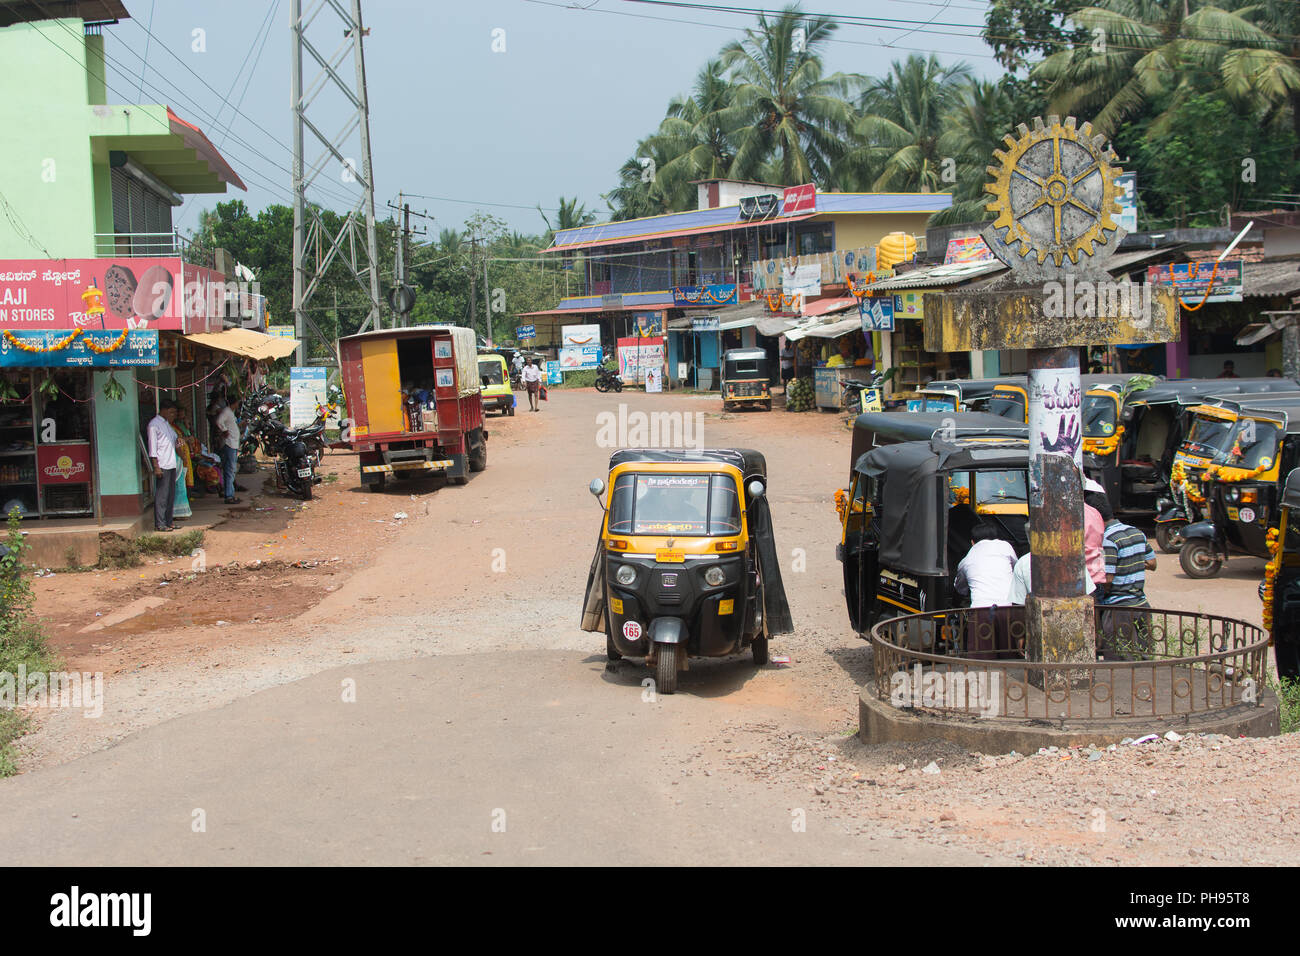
1264 279
938 276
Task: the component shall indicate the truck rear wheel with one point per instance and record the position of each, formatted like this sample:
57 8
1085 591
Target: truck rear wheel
478 455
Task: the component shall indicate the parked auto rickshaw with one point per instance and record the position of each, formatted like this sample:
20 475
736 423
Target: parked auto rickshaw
1242 489
875 429
957 395
1280 589
1208 441
686 564
746 379
906 520
494 374
1010 398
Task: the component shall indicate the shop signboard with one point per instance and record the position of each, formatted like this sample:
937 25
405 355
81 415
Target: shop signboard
635 356
967 249
526 332
22 348
1192 280
111 294
910 304
554 376
64 464
685 296
579 335
578 357
799 200
307 389
706 323
281 331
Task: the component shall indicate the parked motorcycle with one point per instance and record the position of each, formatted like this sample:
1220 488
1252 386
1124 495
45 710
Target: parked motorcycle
294 466
607 380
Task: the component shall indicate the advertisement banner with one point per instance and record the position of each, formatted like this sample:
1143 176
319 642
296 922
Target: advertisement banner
307 389
111 294
20 348
579 335
1192 280
805 280
553 374
1055 413
969 249
63 464
799 200
575 358
635 356
877 314
649 324
1128 201
909 304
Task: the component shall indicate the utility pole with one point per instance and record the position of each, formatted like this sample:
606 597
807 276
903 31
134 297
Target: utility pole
487 303
473 283
315 245
402 301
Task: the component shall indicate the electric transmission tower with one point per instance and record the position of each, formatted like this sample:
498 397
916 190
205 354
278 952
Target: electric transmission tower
343 164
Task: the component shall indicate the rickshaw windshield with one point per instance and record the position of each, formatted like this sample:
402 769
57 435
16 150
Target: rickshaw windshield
1099 416
1000 487
1209 435
664 504
1008 405
940 403
1254 440
491 373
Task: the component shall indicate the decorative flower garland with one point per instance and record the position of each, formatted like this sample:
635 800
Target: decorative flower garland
1274 545
1230 475
1193 269
960 496
865 290
841 503
104 350
776 302
1181 484
1104 446
58 346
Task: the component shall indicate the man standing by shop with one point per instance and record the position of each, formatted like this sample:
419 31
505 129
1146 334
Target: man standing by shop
162 452
228 426
532 377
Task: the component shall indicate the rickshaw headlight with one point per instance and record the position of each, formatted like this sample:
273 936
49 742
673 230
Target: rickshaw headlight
625 575
714 576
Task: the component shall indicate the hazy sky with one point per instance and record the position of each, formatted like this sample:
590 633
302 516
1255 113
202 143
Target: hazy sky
555 114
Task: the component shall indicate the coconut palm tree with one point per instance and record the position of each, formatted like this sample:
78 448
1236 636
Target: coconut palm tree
973 129
1148 52
695 136
783 106
570 215
903 116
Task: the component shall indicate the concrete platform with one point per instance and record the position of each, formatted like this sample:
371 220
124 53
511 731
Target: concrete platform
879 721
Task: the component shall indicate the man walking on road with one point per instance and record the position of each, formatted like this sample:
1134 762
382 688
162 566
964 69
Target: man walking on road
532 377
228 425
162 452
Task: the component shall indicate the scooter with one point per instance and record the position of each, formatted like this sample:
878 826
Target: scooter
607 380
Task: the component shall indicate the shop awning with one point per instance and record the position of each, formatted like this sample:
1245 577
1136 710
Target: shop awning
245 343
773 326
827 306
834 330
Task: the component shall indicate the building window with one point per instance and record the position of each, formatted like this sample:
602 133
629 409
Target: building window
142 217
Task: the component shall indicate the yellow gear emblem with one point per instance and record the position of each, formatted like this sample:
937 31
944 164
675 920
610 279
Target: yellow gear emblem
1054 190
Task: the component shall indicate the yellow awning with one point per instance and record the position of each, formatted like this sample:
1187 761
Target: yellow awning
245 343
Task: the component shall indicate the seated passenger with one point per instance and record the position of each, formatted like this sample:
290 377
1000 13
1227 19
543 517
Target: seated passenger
985 573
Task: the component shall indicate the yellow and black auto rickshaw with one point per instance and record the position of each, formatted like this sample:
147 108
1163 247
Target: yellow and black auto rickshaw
907 519
746 379
687 563
1280 589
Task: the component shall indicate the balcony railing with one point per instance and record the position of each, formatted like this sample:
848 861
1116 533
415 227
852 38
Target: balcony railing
151 245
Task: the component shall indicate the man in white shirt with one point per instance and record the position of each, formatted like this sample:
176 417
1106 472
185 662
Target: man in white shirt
985 572
1020 582
228 427
162 452
532 377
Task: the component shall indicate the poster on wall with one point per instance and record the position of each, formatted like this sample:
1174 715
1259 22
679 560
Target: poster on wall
576 358
307 389
805 280
909 304
554 375
877 313
1055 413
649 324
635 356
1127 219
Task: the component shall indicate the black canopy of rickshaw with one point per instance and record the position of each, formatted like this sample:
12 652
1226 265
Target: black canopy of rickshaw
1291 490
749 462
874 429
732 357
971 389
913 478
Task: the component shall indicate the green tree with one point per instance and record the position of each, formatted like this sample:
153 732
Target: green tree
973 129
783 105
1021 31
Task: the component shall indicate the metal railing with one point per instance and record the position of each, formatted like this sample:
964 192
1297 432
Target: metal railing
151 245
1160 664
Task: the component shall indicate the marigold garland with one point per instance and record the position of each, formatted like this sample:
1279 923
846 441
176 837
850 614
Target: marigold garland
1274 544
1230 475
104 349
58 346
1104 446
841 503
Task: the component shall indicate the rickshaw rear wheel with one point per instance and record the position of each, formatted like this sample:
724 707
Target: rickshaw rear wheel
1198 559
1169 535
759 649
666 668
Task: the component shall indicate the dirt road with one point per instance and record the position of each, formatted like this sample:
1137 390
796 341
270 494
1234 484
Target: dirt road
479 704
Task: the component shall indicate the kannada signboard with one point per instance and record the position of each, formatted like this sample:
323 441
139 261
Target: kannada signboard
1192 280
706 323
706 295
88 349
526 332
112 294
635 356
307 389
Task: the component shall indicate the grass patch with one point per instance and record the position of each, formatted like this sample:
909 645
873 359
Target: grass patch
22 639
582 378
116 551
332 477
1288 699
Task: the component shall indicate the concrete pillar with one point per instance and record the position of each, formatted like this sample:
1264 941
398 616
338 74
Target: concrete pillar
1291 349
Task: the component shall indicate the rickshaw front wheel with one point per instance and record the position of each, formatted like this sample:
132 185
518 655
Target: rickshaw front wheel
1198 559
666 668
1169 535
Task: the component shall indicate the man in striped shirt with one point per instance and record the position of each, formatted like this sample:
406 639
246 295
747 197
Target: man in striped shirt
1128 556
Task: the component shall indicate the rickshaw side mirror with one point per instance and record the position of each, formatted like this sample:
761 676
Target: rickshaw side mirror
597 487
756 489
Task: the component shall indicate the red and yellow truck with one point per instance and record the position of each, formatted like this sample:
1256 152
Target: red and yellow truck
414 399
